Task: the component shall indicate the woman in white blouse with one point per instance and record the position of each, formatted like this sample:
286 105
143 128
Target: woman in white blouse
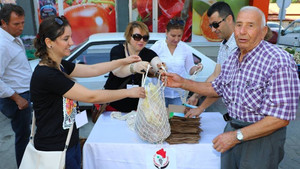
177 56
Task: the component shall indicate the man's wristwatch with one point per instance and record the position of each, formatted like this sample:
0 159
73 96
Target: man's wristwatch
239 135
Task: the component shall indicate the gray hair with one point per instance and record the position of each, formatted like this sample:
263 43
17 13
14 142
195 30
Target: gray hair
253 8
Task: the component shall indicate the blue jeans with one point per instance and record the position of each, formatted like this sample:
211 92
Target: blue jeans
176 101
73 157
20 121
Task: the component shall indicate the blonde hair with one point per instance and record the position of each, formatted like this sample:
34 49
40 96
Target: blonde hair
135 24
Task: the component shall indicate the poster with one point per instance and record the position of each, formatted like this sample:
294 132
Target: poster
200 18
85 17
8 1
166 10
196 22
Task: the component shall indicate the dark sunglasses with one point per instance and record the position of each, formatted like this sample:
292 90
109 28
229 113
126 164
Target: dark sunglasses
138 37
216 24
177 21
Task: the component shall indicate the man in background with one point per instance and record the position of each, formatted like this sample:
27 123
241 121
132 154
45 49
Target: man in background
221 21
15 75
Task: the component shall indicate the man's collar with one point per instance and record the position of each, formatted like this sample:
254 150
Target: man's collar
6 34
224 42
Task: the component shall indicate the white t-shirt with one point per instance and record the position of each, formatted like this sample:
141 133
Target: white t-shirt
180 62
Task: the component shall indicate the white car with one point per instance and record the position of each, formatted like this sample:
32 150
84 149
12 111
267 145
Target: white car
274 26
290 36
97 49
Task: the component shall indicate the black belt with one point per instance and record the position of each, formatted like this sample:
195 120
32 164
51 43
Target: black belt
24 92
226 117
236 124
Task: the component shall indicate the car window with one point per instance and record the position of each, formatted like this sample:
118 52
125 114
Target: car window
94 54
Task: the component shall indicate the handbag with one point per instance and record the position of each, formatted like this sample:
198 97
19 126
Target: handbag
98 109
36 159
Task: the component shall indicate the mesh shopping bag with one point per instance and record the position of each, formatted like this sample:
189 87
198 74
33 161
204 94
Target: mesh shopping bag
152 122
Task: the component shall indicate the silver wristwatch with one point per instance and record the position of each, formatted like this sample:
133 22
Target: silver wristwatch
239 135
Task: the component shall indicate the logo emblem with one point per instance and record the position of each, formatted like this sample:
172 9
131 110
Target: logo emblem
160 159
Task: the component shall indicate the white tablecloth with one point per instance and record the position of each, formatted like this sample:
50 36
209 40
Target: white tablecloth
112 145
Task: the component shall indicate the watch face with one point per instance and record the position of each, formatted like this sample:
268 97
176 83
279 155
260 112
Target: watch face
239 135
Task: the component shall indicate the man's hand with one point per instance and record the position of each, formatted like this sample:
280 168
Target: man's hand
225 141
20 101
172 80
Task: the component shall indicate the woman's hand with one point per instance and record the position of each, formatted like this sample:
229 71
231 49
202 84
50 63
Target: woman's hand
199 67
132 59
196 68
193 100
136 92
162 67
140 67
193 112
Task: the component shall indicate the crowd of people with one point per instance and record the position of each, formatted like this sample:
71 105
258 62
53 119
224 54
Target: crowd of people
258 83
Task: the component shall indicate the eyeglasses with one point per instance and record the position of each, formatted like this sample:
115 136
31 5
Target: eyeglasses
216 24
177 21
138 37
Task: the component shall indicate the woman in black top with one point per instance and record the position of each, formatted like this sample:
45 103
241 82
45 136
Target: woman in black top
137 36
53 89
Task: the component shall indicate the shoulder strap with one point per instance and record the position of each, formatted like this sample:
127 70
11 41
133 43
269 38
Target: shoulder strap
33 127
125 82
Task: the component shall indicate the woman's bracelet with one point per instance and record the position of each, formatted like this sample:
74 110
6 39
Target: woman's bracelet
131 68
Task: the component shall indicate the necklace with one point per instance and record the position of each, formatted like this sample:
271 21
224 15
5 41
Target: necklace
127 50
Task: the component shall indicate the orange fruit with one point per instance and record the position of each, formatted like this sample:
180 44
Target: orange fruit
206 30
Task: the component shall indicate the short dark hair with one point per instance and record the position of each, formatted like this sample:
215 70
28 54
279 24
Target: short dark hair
175 23
7 9
222 8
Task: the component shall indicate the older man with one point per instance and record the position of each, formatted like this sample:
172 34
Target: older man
15 75
260 87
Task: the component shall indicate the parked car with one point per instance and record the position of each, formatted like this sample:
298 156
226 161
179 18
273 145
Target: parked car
97 49
274 26
290 36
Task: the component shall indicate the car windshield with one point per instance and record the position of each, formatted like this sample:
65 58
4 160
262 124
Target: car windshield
293 28
77 46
